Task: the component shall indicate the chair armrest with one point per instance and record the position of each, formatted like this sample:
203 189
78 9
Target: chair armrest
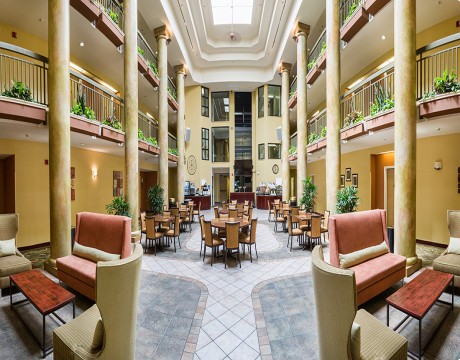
82 354
18 253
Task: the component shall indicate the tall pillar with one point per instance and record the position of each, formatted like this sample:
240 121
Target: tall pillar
405 132
332 103
301 35
285 70
162 36
180 73
59 131
131 90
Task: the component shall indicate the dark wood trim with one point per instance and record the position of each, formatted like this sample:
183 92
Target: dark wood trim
426 242
36 246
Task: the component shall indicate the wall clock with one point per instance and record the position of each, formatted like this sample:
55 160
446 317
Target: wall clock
275 169
191 165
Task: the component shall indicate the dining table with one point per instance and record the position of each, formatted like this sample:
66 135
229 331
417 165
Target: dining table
162 219
220 223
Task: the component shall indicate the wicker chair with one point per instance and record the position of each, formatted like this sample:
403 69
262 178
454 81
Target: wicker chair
231 243
249 239
211 240
151 233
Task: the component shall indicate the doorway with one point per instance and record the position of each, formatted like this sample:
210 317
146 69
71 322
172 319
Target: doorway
221 184
382 183
147 179
7 184
389 194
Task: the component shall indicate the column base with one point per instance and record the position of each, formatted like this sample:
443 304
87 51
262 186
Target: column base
50 266
413 266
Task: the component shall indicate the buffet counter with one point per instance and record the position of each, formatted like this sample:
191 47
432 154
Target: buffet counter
262 200
205 201
242 196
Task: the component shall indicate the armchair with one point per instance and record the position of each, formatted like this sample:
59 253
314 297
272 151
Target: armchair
14 263
343 332
117 294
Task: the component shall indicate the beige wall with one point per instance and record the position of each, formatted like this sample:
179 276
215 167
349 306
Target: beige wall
436 190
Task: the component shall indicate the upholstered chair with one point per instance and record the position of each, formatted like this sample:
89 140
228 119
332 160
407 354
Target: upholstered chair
343 332
231 243
11 260
107 330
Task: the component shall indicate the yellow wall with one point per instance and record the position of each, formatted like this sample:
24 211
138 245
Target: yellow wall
436 190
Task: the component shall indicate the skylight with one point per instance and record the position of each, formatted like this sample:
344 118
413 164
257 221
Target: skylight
226 12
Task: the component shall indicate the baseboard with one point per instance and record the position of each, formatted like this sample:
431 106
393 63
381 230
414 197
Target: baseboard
36 246
426 242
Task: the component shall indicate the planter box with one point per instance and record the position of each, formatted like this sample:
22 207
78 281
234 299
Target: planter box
353 25
313 75
352 132
321 63
111 30
155 150
382 121
292 157
112 134
374 6
312 148
152 78
141 64
82 125
292 101
142 145
21 110
441 105
173 158
322 144
172 102
87 8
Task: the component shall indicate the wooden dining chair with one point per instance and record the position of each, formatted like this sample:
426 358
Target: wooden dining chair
249 239
225 205
314 234
304 224
279 218
143 225
325 224
233 213
151 234
185 218
174 233
246 202
197 212
232 230
201 219
211 240
164 226
293 232
216 212
271 210
295 216
233 202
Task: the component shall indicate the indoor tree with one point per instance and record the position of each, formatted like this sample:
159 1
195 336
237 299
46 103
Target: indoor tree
155 198
309 194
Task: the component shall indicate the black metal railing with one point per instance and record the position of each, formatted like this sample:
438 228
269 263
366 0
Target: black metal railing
113 9
316 125
172 88
317 51
148 126
348 8
293 87
147 53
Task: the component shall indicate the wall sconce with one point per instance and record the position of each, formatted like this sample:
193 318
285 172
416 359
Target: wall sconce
438 165
94 173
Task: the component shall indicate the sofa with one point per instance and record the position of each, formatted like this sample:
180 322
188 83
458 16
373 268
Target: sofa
107 330
450 262
109 235
353 234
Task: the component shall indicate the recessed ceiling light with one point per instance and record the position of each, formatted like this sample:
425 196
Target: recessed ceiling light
383 37
438 129
41 19
82 44
82 144
93 137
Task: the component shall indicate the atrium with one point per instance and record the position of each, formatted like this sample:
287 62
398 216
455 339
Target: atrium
241 179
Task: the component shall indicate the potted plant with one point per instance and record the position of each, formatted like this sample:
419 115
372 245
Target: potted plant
312 138
155 198
323 132
292 150
347 200
173 151
118 206
79 108
18 90
309 194
112 121
383 101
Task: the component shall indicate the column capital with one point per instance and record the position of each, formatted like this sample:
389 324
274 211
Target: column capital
285 67
301 29
162 32
180 69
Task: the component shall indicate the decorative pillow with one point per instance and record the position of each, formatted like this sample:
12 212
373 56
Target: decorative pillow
355 341
357 257
454 246
7 247
93 254
98 335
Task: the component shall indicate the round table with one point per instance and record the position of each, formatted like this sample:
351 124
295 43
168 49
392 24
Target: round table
220 223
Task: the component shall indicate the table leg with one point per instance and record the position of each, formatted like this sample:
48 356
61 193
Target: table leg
388 315
11 295
73 302
43 337
453 289
420 339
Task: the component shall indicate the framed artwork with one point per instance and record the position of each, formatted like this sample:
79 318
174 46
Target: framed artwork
72 183
354 180
117 183
348 174
342 181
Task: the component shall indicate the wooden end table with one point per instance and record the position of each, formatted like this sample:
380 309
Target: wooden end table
44 294
417 297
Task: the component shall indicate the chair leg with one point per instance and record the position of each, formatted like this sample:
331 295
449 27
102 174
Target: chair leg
250 252
204 252
178 239
201 246
238 256
174 239
255 245
212 254
155 247
288 241
291 244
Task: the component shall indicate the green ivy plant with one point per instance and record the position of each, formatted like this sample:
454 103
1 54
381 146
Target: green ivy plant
152 141
154 68
311 64
291 93
140 135
351 11
113 15
347 200
113 122
383 101
292 150
324 132
172 92
140 51
309 194
173 151
18 90
446 83
155 198
323 49
79 108
118 206
313 137
353 117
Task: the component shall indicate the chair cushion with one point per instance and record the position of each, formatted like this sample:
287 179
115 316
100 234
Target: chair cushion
13 264
244 238
7 247
374 270
98 336
355 337
297 232
81 269
357 257
449 263
90 253
454 246
281 219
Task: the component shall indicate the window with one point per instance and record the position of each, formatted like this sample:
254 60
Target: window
204 101
220 148
220 106
274 100
261 151
274 151
226 12
260 101
204 144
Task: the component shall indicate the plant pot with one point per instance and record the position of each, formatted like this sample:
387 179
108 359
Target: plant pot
354 24
111 30
155 150
152 78
111 134
173 158
21 110
87 8
322 144
440 105
321 63
82 125
172 102
374 6
382 121
292 157
292 101
312 148
141 64
142 145
352 131
313 74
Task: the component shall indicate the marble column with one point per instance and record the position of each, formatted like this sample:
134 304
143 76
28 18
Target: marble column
131 90
332 103
181 74
59 131
285 70
301 36
162 36
405 132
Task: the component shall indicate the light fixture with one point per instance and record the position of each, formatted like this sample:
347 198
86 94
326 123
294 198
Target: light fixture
371 132
82 44
94 173
344 141
438 165
93 137
82 144
383 37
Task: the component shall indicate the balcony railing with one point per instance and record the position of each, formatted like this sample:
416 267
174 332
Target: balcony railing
293 140
348 8
293 87
317 51
172 88
316 125
113 9
148 126
147 53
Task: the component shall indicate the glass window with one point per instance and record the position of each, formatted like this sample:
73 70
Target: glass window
204 101
274 100
261 151
274 151
220 106
260 101
204 144
220 141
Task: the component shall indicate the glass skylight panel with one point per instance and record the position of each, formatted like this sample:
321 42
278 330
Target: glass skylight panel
225 12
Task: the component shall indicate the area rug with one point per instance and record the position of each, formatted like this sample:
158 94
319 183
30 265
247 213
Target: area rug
37 256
